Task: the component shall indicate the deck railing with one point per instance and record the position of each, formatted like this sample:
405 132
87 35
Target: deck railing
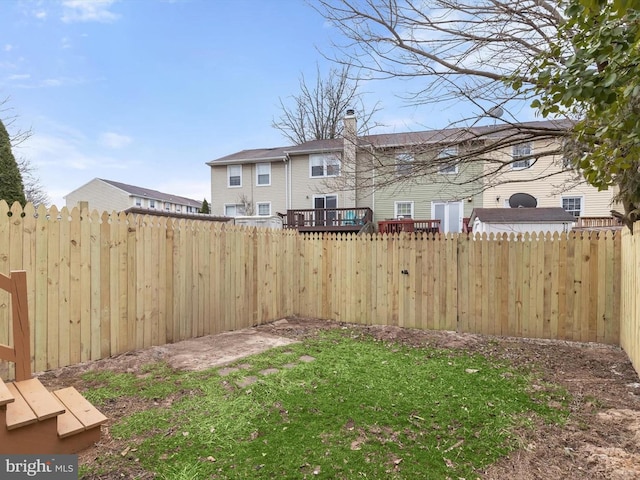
409 225
20 352
328 219
597 222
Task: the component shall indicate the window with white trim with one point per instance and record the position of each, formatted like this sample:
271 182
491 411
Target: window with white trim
152 203
138 201
234 175
324 165
519 151
403 209
233 209
449 168
572 205
404 164
263 174
263 208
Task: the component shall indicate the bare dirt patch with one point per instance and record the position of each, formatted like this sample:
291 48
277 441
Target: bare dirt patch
600 441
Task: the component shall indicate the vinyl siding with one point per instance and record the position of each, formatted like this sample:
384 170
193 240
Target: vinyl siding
101 197
549 191
222 194
304 187
427 190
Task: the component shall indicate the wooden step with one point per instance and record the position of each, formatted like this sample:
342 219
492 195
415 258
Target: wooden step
39 399
19 413
80 414
5 394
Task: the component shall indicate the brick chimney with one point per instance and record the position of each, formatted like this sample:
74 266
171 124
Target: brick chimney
349 171
350 137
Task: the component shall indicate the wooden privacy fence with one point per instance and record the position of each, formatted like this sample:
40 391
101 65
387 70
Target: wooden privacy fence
630 305
562 287
99 285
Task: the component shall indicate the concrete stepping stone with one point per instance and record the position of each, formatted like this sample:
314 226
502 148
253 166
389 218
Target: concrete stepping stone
223 372
245 382
269 371
306 358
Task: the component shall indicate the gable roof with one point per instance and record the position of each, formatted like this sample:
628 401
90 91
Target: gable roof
153 194
390 140
522 215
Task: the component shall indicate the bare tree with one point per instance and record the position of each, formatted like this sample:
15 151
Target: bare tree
33 190
478 52
316 112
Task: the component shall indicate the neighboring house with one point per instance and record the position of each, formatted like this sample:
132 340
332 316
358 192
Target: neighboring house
521 220
354 173
108 196
559 189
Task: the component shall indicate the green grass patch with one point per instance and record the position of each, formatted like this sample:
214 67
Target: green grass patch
361 409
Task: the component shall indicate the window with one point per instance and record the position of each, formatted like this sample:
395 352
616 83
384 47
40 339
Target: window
448 167
138 201
233 210
404 209
263 208
324 165
167 206
520 151
263 174
152 203
234 175
573 205
404 162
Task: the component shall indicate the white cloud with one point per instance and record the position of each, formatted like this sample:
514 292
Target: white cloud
65 42
23 76
88 11
8 47
114 140
40 14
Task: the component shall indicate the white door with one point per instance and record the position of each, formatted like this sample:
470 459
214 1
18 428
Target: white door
449 214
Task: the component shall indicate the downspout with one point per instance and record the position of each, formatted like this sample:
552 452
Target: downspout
287 179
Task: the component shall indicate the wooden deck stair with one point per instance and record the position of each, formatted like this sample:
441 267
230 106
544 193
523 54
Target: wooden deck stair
34 420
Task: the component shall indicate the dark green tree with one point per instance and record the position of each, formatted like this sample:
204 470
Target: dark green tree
205 207
11 185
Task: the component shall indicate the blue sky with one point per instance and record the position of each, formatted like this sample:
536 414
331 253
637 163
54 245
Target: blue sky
147 91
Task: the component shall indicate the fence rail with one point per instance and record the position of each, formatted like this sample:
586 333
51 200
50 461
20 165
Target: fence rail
100 285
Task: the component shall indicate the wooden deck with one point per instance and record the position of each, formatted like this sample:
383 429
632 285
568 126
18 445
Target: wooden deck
346 220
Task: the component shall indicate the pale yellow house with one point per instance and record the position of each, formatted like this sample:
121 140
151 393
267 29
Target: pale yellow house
108 196
548 178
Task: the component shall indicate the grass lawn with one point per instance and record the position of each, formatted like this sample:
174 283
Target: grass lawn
360 409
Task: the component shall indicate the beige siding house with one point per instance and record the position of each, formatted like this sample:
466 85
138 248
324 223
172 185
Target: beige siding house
108 196
549 181
358 172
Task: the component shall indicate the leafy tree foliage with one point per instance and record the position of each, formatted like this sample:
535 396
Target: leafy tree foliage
590 73
205 207
11 186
